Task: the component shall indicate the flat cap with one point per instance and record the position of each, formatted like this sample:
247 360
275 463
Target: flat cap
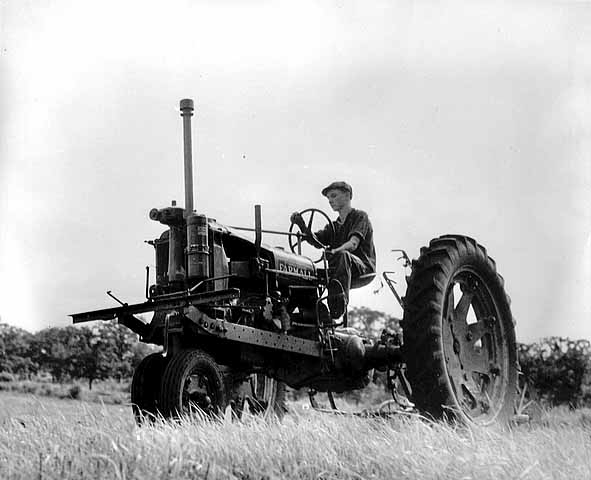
338 185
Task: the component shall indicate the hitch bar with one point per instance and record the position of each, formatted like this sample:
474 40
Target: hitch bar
169 303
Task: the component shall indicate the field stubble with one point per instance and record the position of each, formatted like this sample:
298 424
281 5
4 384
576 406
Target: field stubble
49 438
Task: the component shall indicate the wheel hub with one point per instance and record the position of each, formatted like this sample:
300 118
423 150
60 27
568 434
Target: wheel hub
471 346
197 393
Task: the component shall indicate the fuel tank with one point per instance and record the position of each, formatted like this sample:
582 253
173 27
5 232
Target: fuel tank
284 269
290 265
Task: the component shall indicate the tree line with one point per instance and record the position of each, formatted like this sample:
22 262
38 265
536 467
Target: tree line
104 350
557 369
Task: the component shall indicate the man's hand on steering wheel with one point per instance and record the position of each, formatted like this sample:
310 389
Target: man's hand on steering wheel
306 229
296 218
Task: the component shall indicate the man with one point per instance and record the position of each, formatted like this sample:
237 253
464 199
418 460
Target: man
352 252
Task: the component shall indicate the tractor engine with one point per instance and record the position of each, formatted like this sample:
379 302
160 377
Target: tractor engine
187 253
198 254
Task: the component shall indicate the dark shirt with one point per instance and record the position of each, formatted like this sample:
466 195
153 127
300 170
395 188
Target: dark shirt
356 223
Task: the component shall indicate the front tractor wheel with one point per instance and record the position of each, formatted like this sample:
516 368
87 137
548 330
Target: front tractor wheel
459 335
192 383
145 387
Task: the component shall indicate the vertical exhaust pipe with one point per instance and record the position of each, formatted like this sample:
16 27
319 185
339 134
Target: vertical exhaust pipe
187 112
196 224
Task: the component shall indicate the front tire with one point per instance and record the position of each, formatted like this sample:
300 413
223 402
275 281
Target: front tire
459 335
193 382
145 387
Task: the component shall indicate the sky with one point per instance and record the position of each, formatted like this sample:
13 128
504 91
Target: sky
445 117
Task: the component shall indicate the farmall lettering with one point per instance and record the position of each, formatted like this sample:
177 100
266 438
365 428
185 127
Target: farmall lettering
296 270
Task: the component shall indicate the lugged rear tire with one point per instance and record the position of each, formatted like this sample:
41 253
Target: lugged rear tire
459 367
145 387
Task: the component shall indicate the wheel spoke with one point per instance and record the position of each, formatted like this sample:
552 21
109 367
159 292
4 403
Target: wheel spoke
469 393
454 367
477 330
479 399
311 219
474 361
461 310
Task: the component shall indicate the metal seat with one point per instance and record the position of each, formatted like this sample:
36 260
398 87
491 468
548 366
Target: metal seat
362 280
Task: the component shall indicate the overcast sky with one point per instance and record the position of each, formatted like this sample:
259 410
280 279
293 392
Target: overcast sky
469 117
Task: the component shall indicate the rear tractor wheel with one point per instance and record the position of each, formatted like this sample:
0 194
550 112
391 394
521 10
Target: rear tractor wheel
459 335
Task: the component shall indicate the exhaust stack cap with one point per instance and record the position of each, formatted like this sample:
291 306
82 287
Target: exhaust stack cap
187 106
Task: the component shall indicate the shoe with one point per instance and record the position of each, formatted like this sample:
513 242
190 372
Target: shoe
337 303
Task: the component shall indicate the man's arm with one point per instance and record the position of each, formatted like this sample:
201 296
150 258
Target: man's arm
357 233
349 246
360 227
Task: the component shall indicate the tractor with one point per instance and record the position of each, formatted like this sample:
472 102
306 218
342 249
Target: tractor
239 320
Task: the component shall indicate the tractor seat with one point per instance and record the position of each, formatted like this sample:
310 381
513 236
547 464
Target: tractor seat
362 280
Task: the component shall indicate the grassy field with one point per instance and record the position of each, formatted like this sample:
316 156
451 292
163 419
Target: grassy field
105 391
46 438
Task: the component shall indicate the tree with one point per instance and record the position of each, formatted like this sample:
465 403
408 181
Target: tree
93 352
371 322
14 350
93 355
125 345
50 351
106 350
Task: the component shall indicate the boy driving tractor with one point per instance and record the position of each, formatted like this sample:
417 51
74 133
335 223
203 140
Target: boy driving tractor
350 253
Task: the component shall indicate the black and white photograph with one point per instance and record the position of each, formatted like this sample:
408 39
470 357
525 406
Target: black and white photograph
295 240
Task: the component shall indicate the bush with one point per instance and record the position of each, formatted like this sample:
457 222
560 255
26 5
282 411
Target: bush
6 377
46 390
74 392
27 387
559 370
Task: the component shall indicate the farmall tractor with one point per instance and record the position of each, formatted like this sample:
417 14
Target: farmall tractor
238 320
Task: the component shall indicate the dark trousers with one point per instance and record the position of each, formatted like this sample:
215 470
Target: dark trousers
343 266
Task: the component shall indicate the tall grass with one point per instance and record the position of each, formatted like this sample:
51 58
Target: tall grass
52 438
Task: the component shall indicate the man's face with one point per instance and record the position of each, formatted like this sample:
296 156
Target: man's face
338 199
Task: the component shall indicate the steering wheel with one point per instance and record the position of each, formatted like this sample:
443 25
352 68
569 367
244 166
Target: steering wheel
292 239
